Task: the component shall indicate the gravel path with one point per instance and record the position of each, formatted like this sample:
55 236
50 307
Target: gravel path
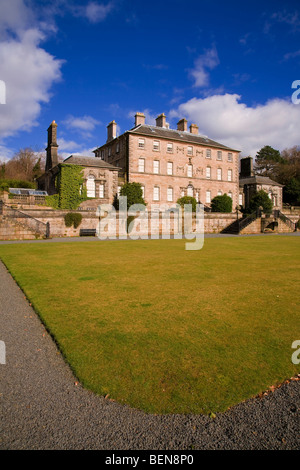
42 407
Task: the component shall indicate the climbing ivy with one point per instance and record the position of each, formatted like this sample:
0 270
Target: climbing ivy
70 188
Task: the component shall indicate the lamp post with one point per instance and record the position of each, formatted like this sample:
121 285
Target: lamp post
237 212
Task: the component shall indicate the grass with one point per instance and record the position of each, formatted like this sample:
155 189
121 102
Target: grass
164 329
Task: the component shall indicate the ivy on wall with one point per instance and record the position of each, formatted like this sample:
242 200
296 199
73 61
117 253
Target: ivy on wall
70 188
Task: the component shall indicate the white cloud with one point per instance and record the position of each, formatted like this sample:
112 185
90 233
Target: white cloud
28 72
205 62
85 124
27 69
226 119
95 12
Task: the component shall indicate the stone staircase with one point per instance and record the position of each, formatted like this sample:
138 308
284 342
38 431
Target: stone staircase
10 230
257 223
16 225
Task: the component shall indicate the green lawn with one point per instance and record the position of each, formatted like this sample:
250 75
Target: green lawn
164 329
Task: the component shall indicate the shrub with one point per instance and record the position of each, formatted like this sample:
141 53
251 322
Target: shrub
188 200
73 218
261 199
6 184
133 192
221 204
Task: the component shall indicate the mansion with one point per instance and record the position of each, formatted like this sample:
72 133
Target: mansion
168 163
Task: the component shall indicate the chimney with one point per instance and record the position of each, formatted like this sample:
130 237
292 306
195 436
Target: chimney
246 167
194 129
51 157
161 120
111 131
139 119
182 125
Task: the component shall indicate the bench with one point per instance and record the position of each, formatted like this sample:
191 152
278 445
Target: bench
87 232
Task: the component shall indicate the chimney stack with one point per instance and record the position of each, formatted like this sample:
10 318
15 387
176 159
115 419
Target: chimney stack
246 167
182 125
161 120
194 129
111 131
139 119
51 157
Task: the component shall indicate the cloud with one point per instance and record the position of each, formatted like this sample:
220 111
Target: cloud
27 69
70 147
85 124
205 62
95 12
291 55
226 119
28 72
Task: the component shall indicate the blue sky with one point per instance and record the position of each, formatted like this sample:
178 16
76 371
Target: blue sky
227 66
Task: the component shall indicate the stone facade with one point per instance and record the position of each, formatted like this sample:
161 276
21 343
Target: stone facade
100 178
171 163
251 183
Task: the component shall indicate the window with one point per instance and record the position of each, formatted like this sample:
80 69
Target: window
229 175
156 145
190 191
219 174
240 199
170 148
170 194
156 167
197 196
101 190
182 194
219 155
170 168
190 171
141 165
190 150
230 157
91 186
156 193
208 198
141 143
230 194
208 153
143 191
219 193
208 172
119 189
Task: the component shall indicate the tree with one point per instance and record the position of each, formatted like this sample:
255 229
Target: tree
266 160
133 192
188 200
261 199
291 192
221 203
25 165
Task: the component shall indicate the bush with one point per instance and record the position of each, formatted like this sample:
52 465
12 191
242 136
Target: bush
221 204
6 184
261 199
73 218
133 192
188 200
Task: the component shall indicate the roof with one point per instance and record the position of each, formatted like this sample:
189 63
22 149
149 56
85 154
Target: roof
257 179
89 161
181 136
